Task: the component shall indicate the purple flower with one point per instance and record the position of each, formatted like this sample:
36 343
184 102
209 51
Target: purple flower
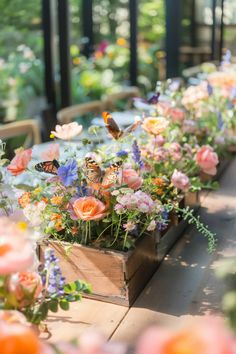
220 120
68 173
137 154
52 273
209 89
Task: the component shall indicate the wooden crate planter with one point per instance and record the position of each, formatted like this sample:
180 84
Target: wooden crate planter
166 240
116 277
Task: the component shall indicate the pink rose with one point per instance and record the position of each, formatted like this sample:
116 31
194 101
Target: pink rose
132 179
204 335
177 115
52 153
180 180
20 162
175 151
207 160
26 286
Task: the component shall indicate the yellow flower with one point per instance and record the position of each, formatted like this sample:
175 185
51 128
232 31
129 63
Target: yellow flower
37 190
22 225
121 41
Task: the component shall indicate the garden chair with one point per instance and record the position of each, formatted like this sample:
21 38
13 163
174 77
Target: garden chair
27 127
68 114
111 101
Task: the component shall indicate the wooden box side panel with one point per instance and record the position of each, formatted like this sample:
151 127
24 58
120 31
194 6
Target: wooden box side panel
103 270
145 253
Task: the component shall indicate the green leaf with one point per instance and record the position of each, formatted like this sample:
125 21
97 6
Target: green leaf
53 305
64 305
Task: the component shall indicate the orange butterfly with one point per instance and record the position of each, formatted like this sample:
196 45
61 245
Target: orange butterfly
94 173
114 129
48 167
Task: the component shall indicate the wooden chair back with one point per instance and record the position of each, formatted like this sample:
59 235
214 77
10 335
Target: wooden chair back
66 115
28 127
125 94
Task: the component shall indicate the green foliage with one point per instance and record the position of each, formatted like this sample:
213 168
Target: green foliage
188 215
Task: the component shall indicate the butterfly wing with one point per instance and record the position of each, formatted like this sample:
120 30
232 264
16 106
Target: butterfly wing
111 174
93 171
132 127
154 99
112 126
48 167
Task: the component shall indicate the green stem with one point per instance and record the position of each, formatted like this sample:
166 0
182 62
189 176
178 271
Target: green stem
125 239
117 231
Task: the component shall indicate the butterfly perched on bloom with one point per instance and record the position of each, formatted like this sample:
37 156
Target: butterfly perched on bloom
94 174
115 130
48 167
154 99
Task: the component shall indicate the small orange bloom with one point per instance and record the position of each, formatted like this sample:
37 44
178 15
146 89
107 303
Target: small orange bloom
98 55
57 200
24 200
58 225
159 182
121 41
55 216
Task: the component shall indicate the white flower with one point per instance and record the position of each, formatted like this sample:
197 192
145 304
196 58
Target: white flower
67 131
152 226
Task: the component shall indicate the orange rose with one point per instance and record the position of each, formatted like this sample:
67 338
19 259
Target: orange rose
26 286
18 339
89 208
155 125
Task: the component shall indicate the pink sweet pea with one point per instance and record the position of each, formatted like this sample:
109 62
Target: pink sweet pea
20 162
207 160
52 153
132 179
180 180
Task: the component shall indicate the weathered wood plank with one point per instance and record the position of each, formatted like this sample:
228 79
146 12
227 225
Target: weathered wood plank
67 325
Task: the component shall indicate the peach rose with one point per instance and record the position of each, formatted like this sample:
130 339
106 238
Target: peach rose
204 335
207 160
155 125
52 153
180 180
132 179
20 162
67 131
26 286
89 208
18 339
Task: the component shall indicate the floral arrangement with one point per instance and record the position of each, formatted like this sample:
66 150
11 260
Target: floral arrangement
27 286
207 333
111 201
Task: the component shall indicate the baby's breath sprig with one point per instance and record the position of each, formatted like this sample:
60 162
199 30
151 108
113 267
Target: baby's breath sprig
188 215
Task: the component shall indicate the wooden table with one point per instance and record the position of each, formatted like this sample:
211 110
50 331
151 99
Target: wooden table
185 283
